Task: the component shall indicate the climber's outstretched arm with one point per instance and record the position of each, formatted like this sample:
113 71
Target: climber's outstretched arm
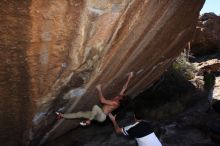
102 99
131 74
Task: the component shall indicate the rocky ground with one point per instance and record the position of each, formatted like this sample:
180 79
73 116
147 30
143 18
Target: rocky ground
212 61
188 128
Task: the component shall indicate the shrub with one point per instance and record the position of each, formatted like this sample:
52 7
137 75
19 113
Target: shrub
172 93
182 68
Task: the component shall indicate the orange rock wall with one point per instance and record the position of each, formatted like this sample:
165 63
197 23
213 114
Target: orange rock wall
15 100
54 52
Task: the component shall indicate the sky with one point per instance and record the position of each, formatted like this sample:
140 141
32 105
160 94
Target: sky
211 6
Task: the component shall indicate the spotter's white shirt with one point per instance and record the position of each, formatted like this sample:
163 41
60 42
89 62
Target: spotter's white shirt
143 134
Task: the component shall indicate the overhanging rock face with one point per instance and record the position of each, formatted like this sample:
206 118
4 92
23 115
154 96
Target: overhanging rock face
57 51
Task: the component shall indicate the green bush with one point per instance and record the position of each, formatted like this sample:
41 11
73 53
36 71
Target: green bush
182 68
172 94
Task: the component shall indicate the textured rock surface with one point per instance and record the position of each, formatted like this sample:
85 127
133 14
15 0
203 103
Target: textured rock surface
54 53
207 38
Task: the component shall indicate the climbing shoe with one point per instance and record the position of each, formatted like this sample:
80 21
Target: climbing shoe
58 115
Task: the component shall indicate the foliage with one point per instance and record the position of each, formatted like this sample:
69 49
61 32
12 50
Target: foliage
172 93
182 68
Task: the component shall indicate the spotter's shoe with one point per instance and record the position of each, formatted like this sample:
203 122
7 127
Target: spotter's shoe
84 123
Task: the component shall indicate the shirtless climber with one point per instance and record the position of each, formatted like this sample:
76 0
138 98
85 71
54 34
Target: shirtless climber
97 113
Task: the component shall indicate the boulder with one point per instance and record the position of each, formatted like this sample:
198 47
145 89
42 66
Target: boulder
206 39
55 52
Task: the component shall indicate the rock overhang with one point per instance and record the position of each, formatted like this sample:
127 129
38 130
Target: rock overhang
73 45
